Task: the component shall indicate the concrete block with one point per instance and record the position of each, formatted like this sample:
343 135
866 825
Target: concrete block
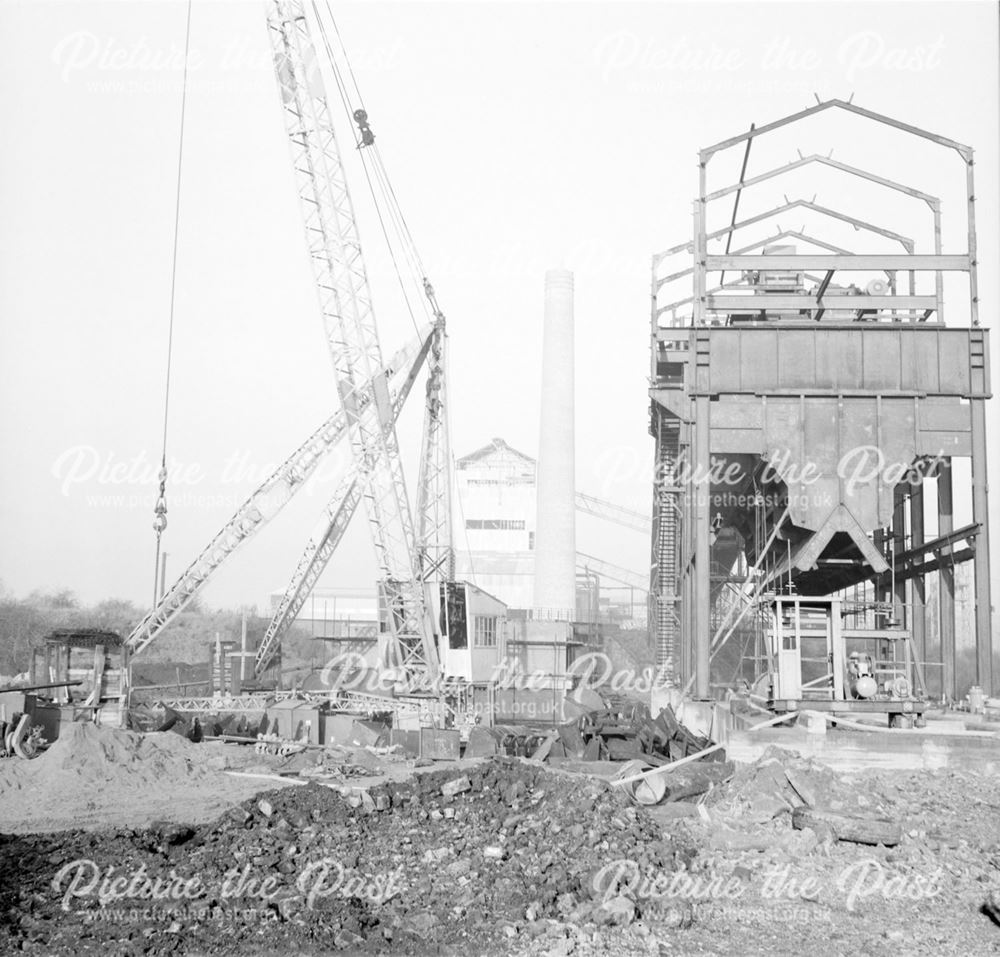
407 721
456 786
440 745
306 722
366 733
337 728
813 723
409 741
483 743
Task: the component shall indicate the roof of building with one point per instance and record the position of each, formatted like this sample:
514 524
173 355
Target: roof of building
84 637
485 593
497 446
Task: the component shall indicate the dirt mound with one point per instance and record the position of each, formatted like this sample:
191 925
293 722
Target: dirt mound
92 775
452 861
85 755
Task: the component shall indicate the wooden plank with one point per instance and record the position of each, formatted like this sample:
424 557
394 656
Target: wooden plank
542 752
696 779
855 829
95 694
41 687
571 738
62 696
592 752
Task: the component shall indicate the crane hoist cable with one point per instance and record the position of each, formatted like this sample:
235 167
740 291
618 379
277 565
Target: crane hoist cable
343 50
160 508
396 212
345 101
382 173
386 204
396 206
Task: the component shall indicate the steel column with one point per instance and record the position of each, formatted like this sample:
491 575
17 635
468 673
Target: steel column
917 590
900 610
970 185
946 583
702 548
984 630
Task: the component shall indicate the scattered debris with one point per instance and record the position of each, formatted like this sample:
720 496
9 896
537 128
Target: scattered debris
523 850
857 829
991 907
626 731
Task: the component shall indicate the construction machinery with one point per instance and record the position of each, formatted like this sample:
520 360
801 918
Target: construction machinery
414 552
819 657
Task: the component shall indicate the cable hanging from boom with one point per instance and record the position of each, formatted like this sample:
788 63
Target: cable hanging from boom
160 509
387 206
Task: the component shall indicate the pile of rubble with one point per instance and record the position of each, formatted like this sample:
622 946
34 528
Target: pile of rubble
85 755
779 782
502 853
614 729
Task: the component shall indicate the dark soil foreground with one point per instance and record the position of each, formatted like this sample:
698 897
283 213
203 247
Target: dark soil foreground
299 871
508 857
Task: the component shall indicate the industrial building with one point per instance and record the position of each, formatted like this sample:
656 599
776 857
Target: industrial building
496 522
769 384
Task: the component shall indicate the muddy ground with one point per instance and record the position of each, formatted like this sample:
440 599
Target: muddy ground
505 856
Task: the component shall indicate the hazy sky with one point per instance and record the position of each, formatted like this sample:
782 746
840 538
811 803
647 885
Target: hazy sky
520 136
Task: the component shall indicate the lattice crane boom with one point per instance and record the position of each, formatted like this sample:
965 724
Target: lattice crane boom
324 541
435 543
352 336
269 498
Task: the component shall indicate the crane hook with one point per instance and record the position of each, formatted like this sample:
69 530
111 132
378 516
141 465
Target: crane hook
160 509
367 136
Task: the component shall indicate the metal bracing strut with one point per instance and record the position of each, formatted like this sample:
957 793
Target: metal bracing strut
435 545
323 542
272 495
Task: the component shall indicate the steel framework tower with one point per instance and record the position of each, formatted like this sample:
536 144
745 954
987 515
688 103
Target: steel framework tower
755 379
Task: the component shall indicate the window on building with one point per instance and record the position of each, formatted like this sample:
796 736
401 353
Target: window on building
486 632
531 541
506 524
